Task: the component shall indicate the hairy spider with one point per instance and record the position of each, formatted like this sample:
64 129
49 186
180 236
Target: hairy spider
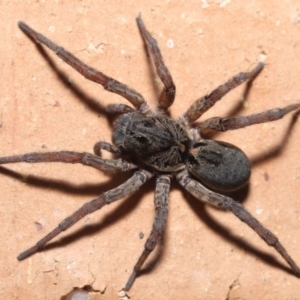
162 147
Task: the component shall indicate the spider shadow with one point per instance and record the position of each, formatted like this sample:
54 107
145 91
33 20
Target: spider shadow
131 202
61 185
241 196
87 189
273 152
121 210
225 234
237 107
113 217
278 149
156 255
81 94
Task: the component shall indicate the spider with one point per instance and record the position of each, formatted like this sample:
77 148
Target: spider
149 143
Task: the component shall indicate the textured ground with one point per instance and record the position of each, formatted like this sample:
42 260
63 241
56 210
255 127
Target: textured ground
47 106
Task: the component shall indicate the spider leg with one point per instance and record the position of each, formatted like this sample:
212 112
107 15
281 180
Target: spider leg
126 189
118 108
200 106
108 83
161 207
226 203
105 146
167 95
119 165
224 124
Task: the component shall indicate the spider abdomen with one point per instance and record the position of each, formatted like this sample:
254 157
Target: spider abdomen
219 165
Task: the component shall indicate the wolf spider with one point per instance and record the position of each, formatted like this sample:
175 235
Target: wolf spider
162 147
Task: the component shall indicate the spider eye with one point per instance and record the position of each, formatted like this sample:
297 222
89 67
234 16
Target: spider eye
220 166
142 139
147 124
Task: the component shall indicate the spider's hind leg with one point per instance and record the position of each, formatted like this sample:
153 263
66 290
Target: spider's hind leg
126 189
226 203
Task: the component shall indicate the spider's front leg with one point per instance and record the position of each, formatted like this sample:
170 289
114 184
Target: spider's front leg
161 213
126 189
108 83
226 203
167 95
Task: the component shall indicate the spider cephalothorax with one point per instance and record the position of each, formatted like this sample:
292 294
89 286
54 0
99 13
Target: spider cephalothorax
160 142
158 145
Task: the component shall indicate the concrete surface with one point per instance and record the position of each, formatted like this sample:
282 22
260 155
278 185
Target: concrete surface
206 254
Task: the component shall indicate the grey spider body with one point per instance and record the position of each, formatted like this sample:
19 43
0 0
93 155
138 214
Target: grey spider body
165 145
162 147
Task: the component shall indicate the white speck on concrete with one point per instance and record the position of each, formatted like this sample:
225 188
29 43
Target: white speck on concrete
170 43
223 3
262 57
259 211
52 29
205 4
